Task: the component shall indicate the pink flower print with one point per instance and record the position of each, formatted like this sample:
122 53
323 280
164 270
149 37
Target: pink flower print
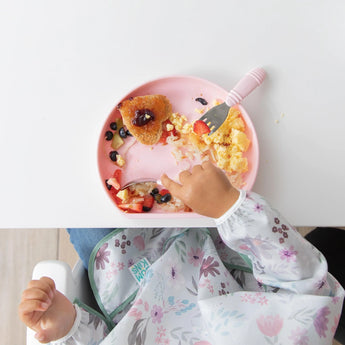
244 247
335 299
102 256
202 343
263 300
120 266
270 325
320 284
139 242
209 267
146 306
134 312
195 256
288 254
336 322
161 331
258 208
156 314
276 220
299 336
321 321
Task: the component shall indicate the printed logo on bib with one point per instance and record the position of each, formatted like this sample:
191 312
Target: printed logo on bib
139 269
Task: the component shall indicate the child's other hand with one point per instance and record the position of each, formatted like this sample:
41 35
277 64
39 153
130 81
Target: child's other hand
206 190
45 310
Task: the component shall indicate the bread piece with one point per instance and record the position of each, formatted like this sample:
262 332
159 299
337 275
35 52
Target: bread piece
156 105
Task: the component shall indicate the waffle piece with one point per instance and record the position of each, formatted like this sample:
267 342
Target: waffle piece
143 116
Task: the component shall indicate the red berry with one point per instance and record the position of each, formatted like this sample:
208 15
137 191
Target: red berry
200 127
148 201
137 208
163 192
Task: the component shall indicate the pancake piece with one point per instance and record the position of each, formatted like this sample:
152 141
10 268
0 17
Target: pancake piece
143 116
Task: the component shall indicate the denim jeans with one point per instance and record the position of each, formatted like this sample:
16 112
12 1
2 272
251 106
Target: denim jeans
85 239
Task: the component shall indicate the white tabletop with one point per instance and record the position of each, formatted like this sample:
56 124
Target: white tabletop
65 64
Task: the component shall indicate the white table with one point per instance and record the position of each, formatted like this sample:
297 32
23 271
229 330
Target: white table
65 64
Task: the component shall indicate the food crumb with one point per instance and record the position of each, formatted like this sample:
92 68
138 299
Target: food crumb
276 121
282 115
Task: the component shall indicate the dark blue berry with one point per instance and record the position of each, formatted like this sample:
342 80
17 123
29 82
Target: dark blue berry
108 185
113 126
201 100
108 135
154 191
146 209
122 133
113 155
128 133
166 198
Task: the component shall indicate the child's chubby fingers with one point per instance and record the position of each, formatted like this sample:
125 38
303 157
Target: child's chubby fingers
44 284
30 306
37 294
171 185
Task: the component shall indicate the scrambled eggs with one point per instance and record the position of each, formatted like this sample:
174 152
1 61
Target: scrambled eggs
226 146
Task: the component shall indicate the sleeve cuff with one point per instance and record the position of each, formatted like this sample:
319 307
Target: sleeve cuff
73 329
232 209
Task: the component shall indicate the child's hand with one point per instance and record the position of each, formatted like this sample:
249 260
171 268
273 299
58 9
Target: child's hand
206 190
45 310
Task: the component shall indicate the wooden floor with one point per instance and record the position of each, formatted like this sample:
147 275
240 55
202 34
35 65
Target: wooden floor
20 250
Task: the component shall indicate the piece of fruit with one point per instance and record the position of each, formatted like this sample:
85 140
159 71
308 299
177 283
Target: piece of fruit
200 127
114 183
113 155
138 208
113 126
154 191
168 129
163 192
122 133
166 198
117 141
148 203
108 135
123 195
107 185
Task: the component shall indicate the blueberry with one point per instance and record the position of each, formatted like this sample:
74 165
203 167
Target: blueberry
122 133
108 135
166 198
113 126
128 133
146 208
113 155
107 184
201 100
154 191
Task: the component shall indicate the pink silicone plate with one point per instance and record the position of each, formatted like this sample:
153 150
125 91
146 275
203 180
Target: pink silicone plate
144 161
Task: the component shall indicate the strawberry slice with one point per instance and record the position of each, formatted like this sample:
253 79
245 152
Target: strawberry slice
148 203
117 175
200 127
166 133
163 192
137 208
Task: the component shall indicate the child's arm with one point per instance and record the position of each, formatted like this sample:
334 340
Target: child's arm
308 298
54 318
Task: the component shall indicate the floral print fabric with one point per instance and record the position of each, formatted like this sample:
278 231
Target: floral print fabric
253 280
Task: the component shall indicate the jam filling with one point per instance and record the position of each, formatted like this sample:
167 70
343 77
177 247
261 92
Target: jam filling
142 117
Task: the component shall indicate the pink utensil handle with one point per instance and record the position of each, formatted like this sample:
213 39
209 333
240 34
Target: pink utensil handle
245 86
